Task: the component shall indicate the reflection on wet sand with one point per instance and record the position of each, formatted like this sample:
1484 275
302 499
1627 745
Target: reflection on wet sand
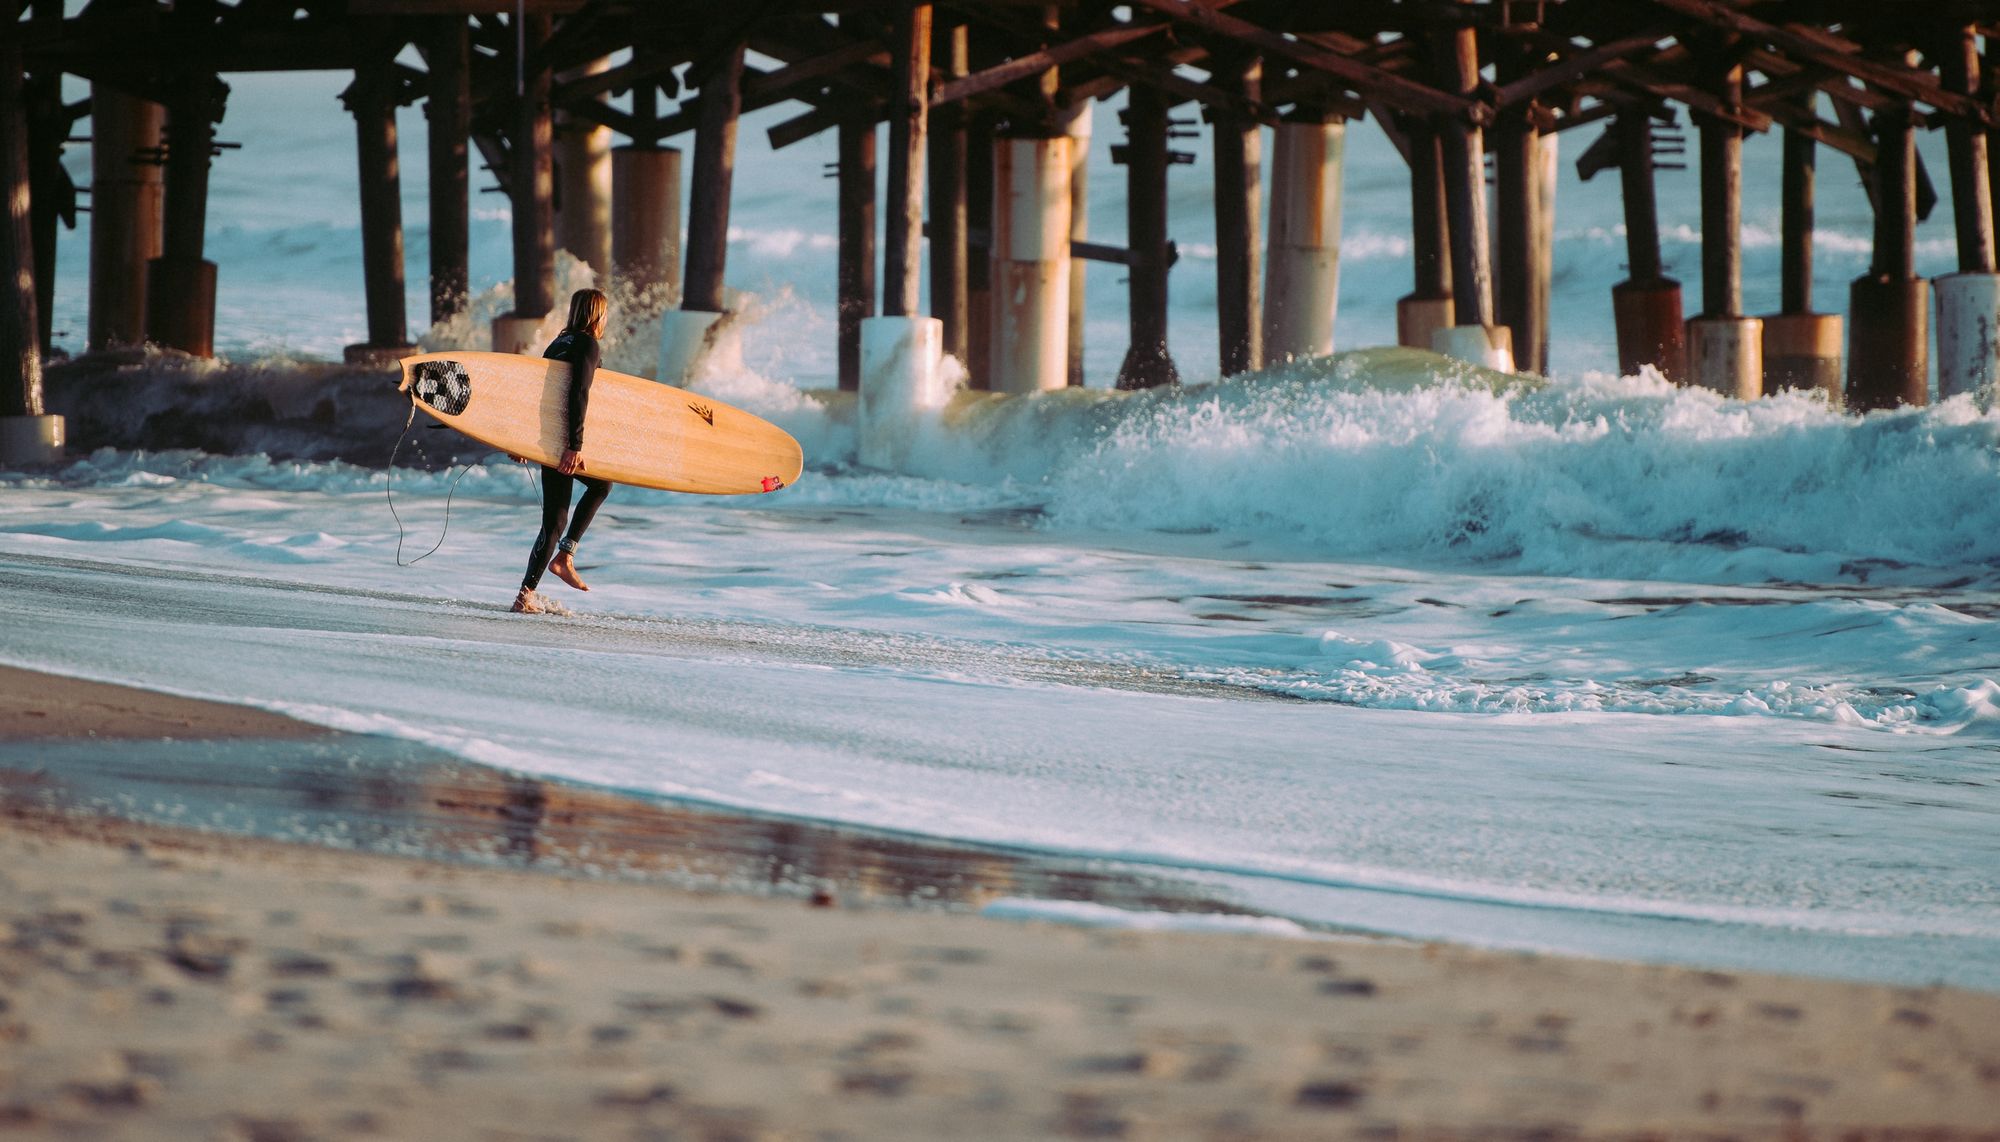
355 791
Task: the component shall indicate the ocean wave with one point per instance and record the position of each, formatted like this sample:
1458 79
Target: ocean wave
1380 453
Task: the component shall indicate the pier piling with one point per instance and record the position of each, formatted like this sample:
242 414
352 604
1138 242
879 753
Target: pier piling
28 434
646 197
687 336
1474 337
1078 128
901 350
855 262
1725 349
1302 265
1030 263
1238 169
531 185
946 163
981 148
125 201
1427 309
1647 304
583 182
1888 351
1968 302
1522 303
448 117
372 101
1802 349
180 283
1147 362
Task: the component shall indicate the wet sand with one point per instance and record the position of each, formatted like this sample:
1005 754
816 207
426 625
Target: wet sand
551 962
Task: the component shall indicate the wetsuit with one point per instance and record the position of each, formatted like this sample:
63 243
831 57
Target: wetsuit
580 350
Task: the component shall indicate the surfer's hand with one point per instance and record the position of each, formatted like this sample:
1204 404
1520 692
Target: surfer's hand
572 462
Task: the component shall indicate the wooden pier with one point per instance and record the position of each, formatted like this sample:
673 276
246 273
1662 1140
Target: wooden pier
987 105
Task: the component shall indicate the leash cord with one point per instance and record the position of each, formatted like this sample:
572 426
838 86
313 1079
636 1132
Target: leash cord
388 489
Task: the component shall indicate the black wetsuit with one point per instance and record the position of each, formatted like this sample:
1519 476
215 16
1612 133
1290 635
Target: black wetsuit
580 350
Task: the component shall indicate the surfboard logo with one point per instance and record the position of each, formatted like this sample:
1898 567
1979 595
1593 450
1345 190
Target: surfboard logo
772 483
704 412
443 385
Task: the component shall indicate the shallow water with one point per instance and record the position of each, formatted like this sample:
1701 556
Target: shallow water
1771 750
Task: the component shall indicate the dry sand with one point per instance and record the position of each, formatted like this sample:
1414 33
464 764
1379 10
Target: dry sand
165 984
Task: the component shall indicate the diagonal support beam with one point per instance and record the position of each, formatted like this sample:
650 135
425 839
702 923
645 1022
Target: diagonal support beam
1367 79
1035 63
1835 53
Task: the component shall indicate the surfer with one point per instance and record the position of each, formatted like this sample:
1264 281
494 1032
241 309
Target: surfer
576 344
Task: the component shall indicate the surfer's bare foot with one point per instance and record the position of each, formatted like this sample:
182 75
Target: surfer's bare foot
528 603
564 566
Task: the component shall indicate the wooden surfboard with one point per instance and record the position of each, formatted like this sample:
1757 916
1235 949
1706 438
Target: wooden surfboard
635 431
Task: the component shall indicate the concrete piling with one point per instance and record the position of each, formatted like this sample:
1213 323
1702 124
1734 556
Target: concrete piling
1030 264
646 224
1302 266
1968 302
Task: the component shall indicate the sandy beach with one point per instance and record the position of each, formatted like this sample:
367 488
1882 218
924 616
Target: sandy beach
166 983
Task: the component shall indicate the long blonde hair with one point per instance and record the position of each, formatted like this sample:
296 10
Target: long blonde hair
587 311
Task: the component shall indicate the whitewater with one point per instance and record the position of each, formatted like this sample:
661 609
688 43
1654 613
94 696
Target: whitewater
1592 665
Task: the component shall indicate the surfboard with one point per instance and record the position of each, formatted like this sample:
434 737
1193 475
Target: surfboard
635 431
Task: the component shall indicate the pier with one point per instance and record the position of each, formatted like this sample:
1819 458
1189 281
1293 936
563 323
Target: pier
591 113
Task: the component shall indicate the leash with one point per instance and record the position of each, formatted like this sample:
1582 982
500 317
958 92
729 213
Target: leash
388 489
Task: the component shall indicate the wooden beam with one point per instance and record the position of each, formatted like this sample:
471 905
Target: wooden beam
1147 362
1570 68
1367 79
1722 208
909 126
20 314
854 261
1465 180
1835 53
765 88
1035 63
1971 196
449 116
946 167
1795 249
532 156
1239 310
460 7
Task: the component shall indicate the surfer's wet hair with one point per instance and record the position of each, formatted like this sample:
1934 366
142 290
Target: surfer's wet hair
587 308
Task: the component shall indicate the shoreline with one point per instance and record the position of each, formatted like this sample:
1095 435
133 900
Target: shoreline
163 982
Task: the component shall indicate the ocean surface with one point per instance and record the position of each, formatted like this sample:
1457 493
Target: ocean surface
1596 666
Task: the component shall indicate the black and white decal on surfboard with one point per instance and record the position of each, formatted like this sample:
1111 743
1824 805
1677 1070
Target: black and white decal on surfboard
443 385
